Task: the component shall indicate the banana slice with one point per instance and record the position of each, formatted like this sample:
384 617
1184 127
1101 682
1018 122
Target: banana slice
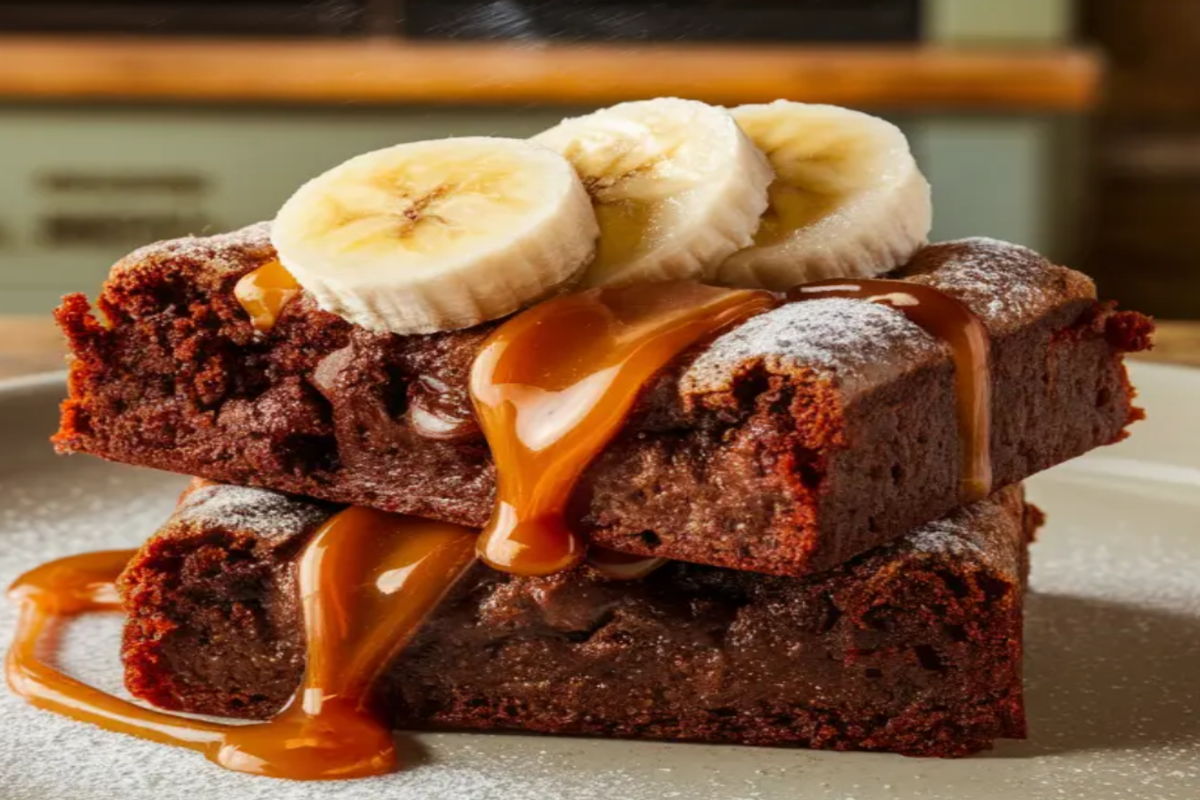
848 199
438 235
677 187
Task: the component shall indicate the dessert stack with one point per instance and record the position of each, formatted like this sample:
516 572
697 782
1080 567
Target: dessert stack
665 423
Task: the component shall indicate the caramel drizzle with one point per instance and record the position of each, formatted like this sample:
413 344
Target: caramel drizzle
949 320
367 580
265 292
553 385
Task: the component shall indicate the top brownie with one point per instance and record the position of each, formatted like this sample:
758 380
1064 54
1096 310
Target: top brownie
787 445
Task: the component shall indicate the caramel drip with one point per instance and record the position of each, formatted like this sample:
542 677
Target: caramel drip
553 385
945 318
64 588
265 292
367 580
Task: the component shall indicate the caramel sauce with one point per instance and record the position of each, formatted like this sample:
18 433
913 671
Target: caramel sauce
265 292
367 580
947 319
553 385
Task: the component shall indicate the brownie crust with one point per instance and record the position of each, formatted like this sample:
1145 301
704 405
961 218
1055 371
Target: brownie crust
914 647
788 445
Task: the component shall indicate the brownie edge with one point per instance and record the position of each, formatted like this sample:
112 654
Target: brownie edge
914 647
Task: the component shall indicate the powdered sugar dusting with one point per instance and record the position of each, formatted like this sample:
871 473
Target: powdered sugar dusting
945 537
855 344
1007 285
269 514
963 534
859 345
218 255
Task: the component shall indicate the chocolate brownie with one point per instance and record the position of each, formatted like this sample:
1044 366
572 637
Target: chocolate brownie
913 647
788 445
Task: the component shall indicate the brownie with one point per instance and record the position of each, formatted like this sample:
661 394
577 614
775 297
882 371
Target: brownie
913 647
787 445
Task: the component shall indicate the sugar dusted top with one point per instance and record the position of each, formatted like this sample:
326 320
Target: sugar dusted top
1004 284
858 345
855 344
213 256
974 532
267 514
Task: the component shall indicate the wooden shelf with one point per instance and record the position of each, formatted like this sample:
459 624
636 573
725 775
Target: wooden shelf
389 72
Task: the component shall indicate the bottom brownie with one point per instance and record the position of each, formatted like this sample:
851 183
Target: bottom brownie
914 647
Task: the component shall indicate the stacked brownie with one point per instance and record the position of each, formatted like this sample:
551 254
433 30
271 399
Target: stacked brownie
913 647
801 472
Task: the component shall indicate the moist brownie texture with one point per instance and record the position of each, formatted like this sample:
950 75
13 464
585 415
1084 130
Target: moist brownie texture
913 647
788 445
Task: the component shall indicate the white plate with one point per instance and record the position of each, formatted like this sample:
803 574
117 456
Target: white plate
1113 644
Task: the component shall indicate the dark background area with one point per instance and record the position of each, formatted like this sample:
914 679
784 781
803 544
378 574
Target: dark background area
576 20
1141 235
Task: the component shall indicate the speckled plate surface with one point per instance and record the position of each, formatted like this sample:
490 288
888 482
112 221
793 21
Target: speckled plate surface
1113 643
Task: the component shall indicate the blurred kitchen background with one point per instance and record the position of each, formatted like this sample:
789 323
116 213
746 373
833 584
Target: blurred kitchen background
1073 127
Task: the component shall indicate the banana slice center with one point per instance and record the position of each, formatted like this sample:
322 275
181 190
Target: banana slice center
419 211
401 210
